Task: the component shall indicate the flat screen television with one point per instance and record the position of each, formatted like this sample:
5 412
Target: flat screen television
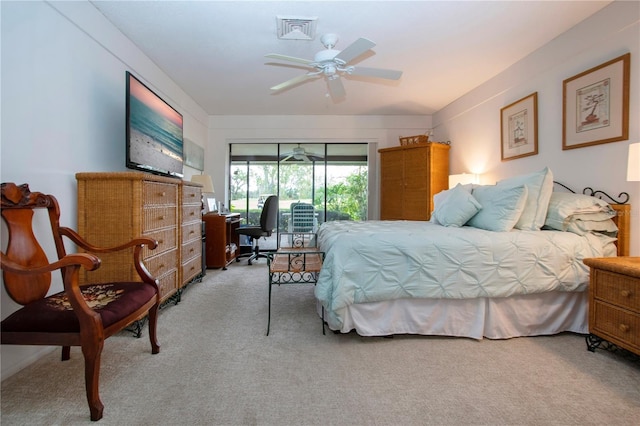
154 132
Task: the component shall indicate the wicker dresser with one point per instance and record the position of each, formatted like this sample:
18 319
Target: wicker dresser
410 176
614 302
114 208
190 232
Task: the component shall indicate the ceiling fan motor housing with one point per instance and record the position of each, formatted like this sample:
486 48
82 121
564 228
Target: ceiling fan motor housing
325 55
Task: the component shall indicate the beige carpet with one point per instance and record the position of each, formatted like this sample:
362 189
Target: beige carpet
217 367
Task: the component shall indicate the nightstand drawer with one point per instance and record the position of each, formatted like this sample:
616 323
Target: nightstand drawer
617 323
617 289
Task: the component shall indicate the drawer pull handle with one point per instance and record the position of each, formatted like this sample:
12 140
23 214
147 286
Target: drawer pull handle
160 241
192 195
191 232
161 218
162 194
624 328
625 293
191 251
161 266
192 214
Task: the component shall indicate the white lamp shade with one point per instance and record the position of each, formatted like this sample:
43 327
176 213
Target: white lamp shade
205 181
633 167
463 178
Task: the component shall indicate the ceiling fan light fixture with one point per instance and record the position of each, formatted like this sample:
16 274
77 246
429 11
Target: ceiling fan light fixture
296 28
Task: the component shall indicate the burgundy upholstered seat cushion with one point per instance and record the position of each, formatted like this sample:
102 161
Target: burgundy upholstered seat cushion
53 314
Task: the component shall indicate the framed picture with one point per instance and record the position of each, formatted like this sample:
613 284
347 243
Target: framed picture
519 128
193 155
595 106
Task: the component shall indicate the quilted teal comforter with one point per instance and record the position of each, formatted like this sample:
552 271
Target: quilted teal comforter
383 260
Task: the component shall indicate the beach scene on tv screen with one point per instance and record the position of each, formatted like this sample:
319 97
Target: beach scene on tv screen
155 130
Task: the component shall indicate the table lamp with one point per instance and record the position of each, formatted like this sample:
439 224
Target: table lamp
207 188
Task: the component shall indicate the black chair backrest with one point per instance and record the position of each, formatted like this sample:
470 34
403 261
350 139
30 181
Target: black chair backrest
269 216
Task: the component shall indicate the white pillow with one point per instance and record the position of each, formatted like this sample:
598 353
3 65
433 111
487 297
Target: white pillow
539 186
457 208
567 207
502 207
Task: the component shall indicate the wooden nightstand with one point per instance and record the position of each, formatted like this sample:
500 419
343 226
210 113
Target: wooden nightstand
614 302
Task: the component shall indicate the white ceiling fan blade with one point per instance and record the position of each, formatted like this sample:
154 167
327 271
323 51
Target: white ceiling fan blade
286 158
376 72
292 82
336 89
354 50
288 58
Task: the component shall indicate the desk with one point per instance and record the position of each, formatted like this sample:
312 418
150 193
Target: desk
222 241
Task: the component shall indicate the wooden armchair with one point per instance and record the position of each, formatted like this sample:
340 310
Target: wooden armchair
80 315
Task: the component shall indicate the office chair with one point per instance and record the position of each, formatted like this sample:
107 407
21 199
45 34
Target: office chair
268 222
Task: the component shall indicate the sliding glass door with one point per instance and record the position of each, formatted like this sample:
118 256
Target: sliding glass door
330 177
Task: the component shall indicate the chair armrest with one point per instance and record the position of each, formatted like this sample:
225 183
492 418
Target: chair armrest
71 265
89 261
136 243
83 244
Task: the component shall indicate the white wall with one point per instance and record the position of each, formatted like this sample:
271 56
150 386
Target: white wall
63 109
384 131
472 122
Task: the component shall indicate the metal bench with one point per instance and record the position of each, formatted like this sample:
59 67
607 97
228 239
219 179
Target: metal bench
296 261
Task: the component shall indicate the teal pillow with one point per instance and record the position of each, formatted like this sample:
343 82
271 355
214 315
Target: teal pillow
502 207
455 207
539 188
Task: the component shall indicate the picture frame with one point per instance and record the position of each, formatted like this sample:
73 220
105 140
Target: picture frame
519 128
595 105
193 155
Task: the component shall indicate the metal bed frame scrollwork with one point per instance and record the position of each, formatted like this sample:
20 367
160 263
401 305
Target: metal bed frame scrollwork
595 342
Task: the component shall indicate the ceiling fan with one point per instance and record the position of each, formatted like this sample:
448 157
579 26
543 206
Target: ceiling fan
332 64
300 154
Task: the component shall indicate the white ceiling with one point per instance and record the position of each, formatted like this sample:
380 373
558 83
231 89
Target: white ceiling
214 50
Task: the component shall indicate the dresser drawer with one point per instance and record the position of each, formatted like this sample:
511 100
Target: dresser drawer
163 263
158 217
617 289
192 232
191 250
166 239
191 213
191 195
191 269
617 323
168 284
159 194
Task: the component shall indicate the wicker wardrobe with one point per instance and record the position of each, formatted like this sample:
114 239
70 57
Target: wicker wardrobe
116 207
410 175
